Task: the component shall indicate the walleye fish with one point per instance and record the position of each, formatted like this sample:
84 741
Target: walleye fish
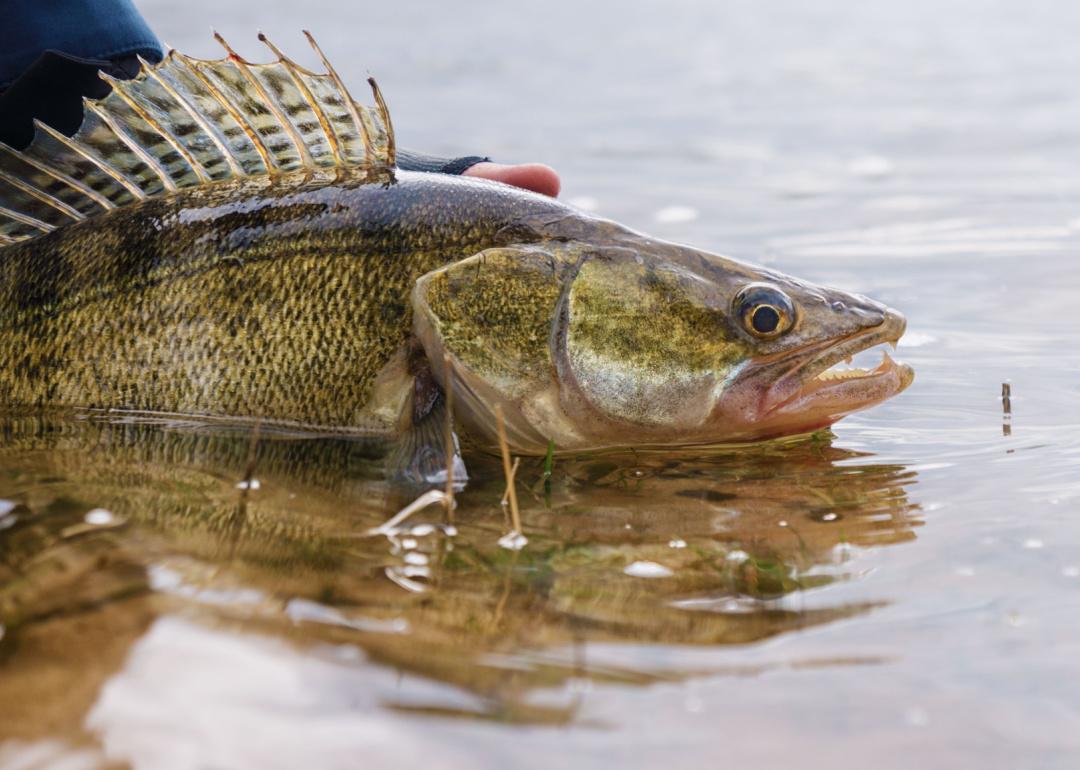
229 240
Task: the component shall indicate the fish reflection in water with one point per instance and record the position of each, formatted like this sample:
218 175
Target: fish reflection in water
734 539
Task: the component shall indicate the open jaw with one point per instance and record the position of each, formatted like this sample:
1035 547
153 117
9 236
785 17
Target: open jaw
813 391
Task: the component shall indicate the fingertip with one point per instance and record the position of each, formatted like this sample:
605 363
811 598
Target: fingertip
536 177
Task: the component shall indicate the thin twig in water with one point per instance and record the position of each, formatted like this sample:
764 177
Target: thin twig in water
239 519
1006 409
510 481
508 471
448 394
431 497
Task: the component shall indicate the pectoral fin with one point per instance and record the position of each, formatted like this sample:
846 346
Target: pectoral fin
419 454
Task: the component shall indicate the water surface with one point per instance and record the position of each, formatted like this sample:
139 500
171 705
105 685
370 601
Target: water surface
904 591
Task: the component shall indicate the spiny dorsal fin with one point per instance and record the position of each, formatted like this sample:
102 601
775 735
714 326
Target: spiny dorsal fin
186 122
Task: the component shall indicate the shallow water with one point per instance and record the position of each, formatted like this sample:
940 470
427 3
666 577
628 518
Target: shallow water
903 592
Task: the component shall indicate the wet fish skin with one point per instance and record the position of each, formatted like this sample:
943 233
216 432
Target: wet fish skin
250 298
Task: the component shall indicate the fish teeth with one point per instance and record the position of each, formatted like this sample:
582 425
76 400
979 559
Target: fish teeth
842 374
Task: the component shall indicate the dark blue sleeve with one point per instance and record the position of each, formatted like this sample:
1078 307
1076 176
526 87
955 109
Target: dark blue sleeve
89 29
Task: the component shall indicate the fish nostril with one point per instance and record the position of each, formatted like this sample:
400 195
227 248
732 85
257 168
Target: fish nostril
839 306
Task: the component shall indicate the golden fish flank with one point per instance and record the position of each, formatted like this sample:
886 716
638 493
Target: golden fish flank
232 240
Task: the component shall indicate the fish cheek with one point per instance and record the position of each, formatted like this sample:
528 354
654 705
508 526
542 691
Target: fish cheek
644 351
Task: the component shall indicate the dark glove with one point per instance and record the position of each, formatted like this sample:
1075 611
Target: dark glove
408 160
52 91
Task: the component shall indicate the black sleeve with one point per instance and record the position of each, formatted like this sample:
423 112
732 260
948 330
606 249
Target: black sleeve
52 91
407 160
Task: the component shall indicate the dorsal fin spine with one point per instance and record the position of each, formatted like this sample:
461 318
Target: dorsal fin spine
384 113
316 108
230 159
235 114
120 88
361 126
27 220
270 103
77 147
150 161
59 176
42 196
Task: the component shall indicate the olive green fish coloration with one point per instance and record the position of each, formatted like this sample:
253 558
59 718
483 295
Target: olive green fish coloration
232 241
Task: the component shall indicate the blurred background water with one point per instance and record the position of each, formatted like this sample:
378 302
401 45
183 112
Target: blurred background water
905 593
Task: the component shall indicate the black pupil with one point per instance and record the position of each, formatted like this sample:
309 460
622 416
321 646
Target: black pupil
765 319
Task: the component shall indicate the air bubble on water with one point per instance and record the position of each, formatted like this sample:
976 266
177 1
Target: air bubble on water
513 541
422 530
415 557
1033 543
676 542
829 517
99 517
249 484
738 556
449 530
409 543
647 569
676 214
782 523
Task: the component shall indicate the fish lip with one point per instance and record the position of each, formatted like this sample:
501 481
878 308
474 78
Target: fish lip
799 384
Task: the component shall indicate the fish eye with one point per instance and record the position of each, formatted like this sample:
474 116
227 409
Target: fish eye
765 311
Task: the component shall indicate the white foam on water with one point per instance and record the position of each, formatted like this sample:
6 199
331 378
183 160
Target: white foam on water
647 569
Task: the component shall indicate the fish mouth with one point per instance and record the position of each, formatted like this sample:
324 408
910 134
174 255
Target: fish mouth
813 391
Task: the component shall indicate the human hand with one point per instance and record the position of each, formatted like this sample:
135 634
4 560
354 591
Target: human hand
529 176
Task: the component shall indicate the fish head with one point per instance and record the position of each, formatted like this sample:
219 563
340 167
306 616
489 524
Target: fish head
640 342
